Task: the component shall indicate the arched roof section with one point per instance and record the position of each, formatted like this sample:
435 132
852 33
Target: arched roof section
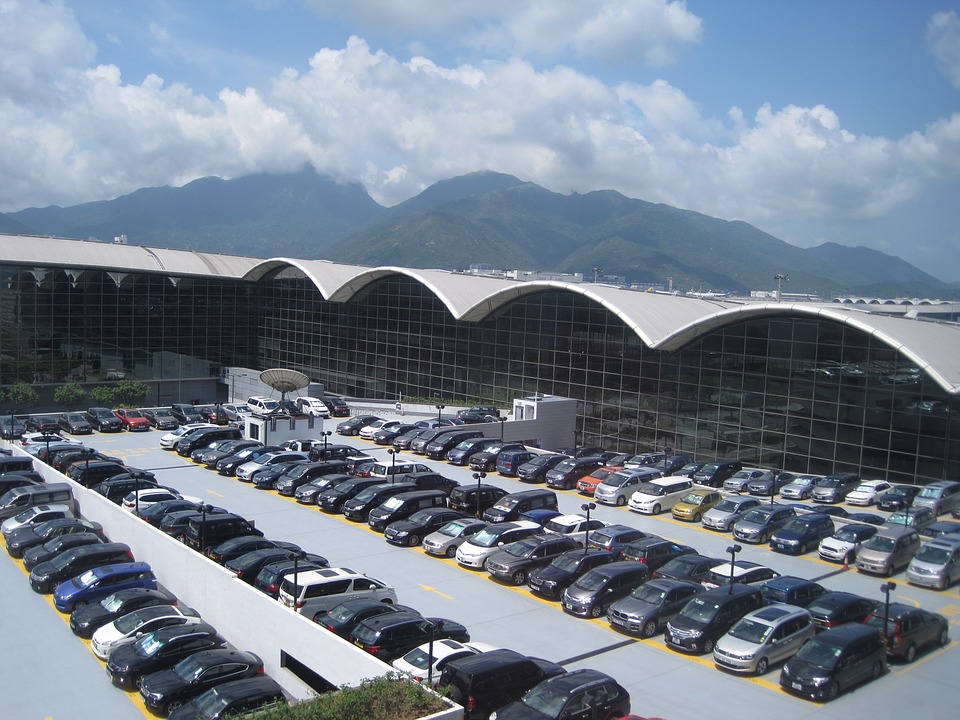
932 346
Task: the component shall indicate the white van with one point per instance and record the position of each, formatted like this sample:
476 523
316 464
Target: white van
313 406
263 405
655 496
328 587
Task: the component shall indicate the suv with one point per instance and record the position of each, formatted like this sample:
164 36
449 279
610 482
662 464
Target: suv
835 660
577 694
209 530
103 419
512 506
487 681
594 591
714 473
327 587
535 470
474 499
834 488
907 629
390 635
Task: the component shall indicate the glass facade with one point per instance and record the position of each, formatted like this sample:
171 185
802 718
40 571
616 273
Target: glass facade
796 392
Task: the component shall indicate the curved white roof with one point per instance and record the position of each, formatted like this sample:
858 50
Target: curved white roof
666 322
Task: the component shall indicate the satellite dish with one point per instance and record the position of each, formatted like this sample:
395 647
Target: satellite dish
284 380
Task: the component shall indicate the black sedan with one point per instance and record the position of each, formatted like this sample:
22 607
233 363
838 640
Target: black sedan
30 536
42 423
563 570
74 423
175 523
53 547
308 494
235 547
11 428
578 694
655 552
166 690
266 478
229 464
249 565
158 651
343 618
161 419
84 621
836 608
155 513
413 530
898 497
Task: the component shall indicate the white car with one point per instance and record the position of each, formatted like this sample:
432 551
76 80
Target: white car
33 516
868 492
272 458
169 441
416 663
368 431
313 406
475 551
842 546
573 526
127 629
145 497
743 572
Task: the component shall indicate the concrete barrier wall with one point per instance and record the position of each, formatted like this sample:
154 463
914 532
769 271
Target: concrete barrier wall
244 616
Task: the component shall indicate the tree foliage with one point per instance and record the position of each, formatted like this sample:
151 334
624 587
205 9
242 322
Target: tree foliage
104 395
72 395
131 392
22 395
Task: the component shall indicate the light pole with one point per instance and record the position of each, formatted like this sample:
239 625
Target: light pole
886 589
297 557
503 420
137 476
439 412
203 507
596 273
774 473
576 441
733 550
393 464
586 538
780 278
325 434
479 477
433 632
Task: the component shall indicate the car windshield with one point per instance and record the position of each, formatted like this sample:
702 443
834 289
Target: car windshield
709 469
726 506
188 669
488 537
565 466
133 414
132 621
540 460
62 560
865 489
929 492
452 529
901 518
797 524
211 704
693 498
848 534
591 581
649 488
342 613
147 646
111 603
881 543
934 555
365 495
751 631
819 653
418 659
506 504
546 700
828 482
86 579
76 418
392 503
756 516
521 548
567 563
649 594
699 610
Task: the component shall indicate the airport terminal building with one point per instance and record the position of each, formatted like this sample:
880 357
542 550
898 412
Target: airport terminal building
808 387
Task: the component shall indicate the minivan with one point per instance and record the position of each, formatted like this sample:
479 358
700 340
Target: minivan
438 448
358 508
888 550
834 488
403 505
206 436
835 660
210 530
566 473
15 463
941 496
489 680
460 453
512 506
616 489
390 471
708 616
802 533
764 637
596 590
509 461
714 473
16 500
474 499
327 587
937 564
655 496
94 473
98 582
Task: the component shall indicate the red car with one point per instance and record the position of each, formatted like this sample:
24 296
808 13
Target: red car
132 419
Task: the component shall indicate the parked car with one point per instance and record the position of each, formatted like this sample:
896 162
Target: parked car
907 629
342 619
833 609
867 492
617 488
834 488
515 561
790 590
834 661
309 493
74 423
842 545
35 535
355 424
551 580
740 572
741 479
270 578
237 546
486 459
766 636
940 497
888 550
758 524
695 504
474 552
800 488
770 483
97 582
158 651
186 413
35 515
570 696
391 635
919 518
327 587
166 690
160 418
237 696
801 533
475 499
936 564
708 616
85 620
421 665
566 474
655 496
411 531
58 545
654 552
725 513
132 419
337 405
127 629
248 566
648 608
596 590
11 428
897 497
536 469
713 474
445 541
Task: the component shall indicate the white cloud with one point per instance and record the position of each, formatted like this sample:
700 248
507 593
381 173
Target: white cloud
943 39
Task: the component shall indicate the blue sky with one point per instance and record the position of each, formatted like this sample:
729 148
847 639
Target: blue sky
826 120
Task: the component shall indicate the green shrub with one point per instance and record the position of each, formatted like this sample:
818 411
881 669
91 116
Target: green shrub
72 395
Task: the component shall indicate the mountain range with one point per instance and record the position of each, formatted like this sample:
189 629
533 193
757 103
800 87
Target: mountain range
480 218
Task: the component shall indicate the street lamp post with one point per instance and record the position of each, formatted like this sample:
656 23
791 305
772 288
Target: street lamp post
576 441
433 633
503 421
775 475
439 412
325 434
733 550
137 476
479 477
393 464
586 538
297 557
780 278
886 589
203 507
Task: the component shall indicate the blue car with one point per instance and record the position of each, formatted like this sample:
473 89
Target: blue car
95 584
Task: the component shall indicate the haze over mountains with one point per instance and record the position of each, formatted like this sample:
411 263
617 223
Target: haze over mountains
483 217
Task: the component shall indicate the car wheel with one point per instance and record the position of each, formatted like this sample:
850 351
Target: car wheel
944 638
762 666
656 509
173 705
911 653
887 570
413 540
649 629
764 539
596 611
519 577
139 681
182 538
833 690
877 669
451 551
696 517
803 548
79 604
621 501
708 645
